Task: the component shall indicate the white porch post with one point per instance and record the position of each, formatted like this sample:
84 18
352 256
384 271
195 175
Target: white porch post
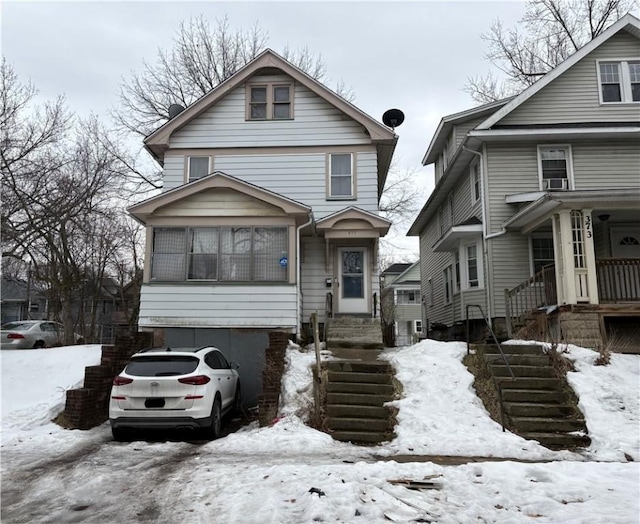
590 254
565 276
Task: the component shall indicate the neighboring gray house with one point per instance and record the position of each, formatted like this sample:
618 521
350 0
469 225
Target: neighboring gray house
269 213
401 301
537 200
20 302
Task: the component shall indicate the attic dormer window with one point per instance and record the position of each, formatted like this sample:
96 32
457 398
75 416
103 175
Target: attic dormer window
619 81
270 102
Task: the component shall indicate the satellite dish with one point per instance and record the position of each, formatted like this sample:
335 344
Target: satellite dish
175 110
393 118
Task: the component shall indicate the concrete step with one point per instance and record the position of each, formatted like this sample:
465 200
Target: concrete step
534 409
350 366
501 370
361 378
359 424
354 411
557 440
354 343
531 395
547 425
513 349
528 383
352 320
518 360
360 388
362 437
355 399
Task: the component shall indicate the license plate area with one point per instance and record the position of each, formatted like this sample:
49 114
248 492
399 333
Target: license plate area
154 403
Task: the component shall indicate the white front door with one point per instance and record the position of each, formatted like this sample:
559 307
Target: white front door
354 277
625 242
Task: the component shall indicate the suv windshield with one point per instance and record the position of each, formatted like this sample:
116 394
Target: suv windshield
161 366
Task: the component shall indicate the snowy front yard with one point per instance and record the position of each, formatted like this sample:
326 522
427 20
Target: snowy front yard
289 473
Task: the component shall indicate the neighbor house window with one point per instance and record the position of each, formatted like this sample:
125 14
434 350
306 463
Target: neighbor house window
475 183
441 227
472 267
554 163
417 326
447 275
429 292
198 167
341 175
541 252
225 254
619 81
407 296
456 259
450 208
270 102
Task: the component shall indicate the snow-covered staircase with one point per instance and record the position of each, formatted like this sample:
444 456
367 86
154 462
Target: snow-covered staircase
538 404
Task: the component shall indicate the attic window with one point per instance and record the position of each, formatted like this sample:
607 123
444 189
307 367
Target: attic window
198 167
619 81
269 102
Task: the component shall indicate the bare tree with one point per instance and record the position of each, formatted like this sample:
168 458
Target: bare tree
549 32
402 196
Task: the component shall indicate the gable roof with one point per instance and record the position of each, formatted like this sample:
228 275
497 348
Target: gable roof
446 125
396 269
217 179
157 141
627 23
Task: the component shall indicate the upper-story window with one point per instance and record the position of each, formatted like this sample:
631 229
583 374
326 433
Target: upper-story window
475 183
270 102
198 166
555 168
407 296
445 157
450 208
341 183
619 81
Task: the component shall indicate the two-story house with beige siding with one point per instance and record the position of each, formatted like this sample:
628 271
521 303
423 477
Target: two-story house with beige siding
537 201
268 213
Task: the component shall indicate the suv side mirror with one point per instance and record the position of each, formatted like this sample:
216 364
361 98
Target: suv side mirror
233 365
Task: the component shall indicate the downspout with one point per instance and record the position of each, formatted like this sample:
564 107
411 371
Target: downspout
298 273
486 234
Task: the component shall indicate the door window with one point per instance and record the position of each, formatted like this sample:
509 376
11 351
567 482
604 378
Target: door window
352 274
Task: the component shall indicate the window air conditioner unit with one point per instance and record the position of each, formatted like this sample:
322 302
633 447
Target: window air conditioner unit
554 184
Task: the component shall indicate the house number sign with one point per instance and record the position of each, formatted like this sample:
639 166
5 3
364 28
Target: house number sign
587 226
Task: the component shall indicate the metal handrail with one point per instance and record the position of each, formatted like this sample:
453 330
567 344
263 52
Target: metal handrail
504 357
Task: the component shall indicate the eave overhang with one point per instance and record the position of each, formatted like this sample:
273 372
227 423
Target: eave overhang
449 241
352 223
557 132
542 209
142 210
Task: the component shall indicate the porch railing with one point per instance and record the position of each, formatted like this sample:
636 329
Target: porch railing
328 306
618 280
537 291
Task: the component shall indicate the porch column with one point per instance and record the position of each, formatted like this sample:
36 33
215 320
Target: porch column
563 254
590 255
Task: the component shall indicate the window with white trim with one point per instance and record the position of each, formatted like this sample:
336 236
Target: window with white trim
619 81
475 183
198 167
456 260
224 254
473 280
269 102
407 296
447 275
541 251
445 157
555 168
341 175
417 326
441 221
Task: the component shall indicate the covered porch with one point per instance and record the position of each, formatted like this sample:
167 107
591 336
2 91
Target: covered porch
592 244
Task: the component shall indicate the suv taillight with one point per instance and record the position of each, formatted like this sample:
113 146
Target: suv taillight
198 380
121 381
13 336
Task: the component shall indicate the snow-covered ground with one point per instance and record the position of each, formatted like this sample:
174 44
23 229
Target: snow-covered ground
290 473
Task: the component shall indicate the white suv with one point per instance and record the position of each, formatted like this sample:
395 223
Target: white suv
174 388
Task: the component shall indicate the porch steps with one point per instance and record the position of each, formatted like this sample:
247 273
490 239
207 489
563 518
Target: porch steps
538 404
356 391
354 332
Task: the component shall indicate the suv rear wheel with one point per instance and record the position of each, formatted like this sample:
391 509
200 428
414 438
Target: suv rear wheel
121 434
213 431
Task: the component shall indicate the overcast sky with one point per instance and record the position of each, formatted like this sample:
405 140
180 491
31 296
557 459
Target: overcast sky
415 56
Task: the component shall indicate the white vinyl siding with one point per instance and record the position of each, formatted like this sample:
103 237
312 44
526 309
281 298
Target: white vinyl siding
203 305
303 178
606 164
313 275
575 95
316 123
